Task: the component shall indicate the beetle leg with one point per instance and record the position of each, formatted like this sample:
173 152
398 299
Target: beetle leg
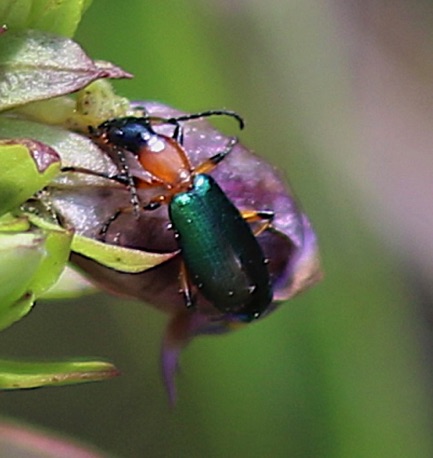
178 134
42 199
264 217
104 228
121 178
213 161
130 182
152 205
125 178
141 111
178 129
185 285
106 225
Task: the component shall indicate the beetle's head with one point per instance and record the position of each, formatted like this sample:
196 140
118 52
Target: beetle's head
128 133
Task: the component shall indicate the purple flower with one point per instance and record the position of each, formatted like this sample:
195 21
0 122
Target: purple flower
248 181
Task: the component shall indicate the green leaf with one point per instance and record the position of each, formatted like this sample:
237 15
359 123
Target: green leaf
26 167
55 111
14 311
30 263
20 257
61 16
16 375
117 257
35 66
96 103
92 105
11 223
67 144
73 149
69 285
56 254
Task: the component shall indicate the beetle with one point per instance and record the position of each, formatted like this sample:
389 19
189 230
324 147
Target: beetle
221 256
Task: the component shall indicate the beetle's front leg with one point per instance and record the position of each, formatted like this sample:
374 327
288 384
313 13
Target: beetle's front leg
213 161
121 178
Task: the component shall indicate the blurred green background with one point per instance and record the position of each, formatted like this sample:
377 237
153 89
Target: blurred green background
344 370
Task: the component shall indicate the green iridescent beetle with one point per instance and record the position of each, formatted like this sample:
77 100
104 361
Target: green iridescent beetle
221 257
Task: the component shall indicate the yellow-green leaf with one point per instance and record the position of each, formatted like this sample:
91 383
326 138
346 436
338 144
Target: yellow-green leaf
30 263
118 258
70 284
20 258
61 16
16 375
56 255
26 166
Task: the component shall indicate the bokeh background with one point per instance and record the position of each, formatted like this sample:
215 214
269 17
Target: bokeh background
338 95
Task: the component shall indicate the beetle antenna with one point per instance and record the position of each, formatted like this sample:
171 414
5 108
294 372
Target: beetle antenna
207 114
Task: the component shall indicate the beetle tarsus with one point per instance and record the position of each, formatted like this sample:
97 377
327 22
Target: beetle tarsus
104 228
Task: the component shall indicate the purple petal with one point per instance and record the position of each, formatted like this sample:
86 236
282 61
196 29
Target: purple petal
250 183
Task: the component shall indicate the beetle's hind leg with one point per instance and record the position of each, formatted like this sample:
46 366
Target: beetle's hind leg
186 287
263 217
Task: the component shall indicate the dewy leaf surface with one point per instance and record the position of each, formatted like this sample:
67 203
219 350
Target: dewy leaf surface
35 66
